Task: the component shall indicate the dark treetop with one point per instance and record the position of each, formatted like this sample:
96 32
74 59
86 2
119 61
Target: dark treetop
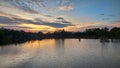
8 36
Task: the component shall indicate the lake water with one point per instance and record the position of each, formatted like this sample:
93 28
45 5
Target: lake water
61 53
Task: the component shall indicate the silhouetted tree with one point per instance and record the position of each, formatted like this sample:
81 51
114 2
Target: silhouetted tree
115 32
11 36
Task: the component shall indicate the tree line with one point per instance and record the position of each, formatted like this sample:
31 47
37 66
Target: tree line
13 36
94 33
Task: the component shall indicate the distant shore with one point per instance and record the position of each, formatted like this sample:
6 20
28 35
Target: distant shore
8 36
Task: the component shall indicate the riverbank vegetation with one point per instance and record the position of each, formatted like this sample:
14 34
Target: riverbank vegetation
12 36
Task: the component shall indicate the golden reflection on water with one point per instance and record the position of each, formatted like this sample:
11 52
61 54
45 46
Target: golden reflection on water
16 54
38 44
60 53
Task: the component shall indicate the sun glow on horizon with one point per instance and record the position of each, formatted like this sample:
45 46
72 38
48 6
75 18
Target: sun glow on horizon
33 27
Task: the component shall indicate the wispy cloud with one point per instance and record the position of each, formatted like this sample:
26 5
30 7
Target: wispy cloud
31 6
116 23
106 18
66 5
62 20
70 7
24 24
84 26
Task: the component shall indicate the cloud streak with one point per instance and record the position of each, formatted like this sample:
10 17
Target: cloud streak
31 6
116 23
66 5
10 21
65 8
62 20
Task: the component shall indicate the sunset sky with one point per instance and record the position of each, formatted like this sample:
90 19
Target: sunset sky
51 15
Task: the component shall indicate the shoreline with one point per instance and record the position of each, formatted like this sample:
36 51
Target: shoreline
19 42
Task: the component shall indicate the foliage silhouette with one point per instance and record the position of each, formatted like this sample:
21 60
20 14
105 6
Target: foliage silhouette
14 36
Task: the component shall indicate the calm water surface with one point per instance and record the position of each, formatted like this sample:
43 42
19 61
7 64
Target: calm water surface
61 53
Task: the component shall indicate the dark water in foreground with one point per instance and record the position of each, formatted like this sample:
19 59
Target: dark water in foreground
61 53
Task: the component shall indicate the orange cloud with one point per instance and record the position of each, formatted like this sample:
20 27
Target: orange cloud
81 27
2 25
34 28
116 24
64 7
